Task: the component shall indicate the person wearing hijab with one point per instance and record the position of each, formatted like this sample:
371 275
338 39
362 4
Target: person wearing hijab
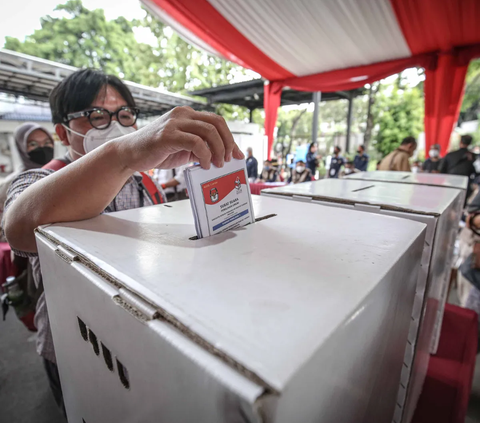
35 147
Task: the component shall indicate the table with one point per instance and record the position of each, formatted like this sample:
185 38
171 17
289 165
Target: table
446 391
6 265
255 188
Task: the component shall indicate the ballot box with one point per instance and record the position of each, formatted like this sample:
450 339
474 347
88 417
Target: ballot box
302 316
433 179
440 209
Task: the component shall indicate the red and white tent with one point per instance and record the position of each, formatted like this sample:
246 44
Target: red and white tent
332 45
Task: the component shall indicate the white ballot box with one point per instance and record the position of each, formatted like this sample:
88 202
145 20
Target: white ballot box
437 207
433 179
430 179
302 316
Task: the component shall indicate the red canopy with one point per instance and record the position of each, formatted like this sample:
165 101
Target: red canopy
332 46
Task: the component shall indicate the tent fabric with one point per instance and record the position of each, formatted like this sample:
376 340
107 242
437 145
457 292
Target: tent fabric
331 46
429 27
444 88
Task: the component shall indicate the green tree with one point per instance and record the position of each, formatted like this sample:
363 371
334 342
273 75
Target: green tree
84 38
398 114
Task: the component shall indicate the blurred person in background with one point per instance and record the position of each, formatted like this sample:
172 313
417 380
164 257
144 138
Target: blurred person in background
461 162
252 165
35 148
312 159
172 182
360 161
432 163
348 169
300 174
269 173
398 159
336 163
417 166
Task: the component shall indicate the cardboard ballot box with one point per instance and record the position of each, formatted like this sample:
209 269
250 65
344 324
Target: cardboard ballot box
300 317
433 179
437 207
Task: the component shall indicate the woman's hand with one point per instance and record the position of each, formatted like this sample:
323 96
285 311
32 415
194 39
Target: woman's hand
176 138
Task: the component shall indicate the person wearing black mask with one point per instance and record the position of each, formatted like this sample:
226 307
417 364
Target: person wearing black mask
360 161
35 148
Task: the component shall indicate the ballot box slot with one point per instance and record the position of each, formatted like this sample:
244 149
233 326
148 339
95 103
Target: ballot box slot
258 219
363 188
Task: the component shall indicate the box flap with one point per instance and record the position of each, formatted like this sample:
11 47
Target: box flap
434 179
266 295
401 197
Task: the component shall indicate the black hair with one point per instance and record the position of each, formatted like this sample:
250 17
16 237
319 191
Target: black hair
300 161
338 148
362 147
310 147
78 91
466 140
409 141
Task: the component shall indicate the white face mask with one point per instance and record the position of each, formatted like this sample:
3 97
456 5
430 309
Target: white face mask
300 169
94 138
433 153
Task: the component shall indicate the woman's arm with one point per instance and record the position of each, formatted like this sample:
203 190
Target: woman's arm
84 188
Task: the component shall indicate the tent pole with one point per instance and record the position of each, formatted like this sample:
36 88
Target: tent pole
349 122
317 97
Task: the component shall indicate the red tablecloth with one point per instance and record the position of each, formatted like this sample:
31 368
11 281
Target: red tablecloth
446 391
6 265
256 188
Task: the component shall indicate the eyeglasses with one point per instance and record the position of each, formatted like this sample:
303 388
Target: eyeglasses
101 118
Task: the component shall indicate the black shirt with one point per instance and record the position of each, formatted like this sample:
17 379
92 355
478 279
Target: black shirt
458 162
252 167
430 166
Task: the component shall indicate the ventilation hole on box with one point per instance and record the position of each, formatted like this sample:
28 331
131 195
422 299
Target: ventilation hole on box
107 356
123 374
83 329
361 189
405 177
93 341
167 205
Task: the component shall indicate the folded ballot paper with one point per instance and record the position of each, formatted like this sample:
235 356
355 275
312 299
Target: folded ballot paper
220 197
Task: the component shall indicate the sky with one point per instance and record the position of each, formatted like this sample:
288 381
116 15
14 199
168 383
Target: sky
20 18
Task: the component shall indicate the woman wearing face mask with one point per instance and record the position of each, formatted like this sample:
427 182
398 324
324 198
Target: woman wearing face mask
269 174
300 174
35 148
432 164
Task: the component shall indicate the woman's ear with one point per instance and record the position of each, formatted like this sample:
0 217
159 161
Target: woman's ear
62 134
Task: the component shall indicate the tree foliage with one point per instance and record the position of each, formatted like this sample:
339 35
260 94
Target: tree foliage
398 114
82 38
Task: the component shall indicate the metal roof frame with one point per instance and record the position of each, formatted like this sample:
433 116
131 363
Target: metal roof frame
34 78
250 94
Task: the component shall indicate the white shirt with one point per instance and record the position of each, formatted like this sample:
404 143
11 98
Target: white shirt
162 176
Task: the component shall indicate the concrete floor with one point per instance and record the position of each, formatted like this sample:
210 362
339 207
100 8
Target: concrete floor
25 396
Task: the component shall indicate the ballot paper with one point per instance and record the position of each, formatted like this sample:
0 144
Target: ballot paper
220 197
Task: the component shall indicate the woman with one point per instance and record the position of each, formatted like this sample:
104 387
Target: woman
35 147
312 160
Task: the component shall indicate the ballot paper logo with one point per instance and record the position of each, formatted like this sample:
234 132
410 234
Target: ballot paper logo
214 195
238 185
